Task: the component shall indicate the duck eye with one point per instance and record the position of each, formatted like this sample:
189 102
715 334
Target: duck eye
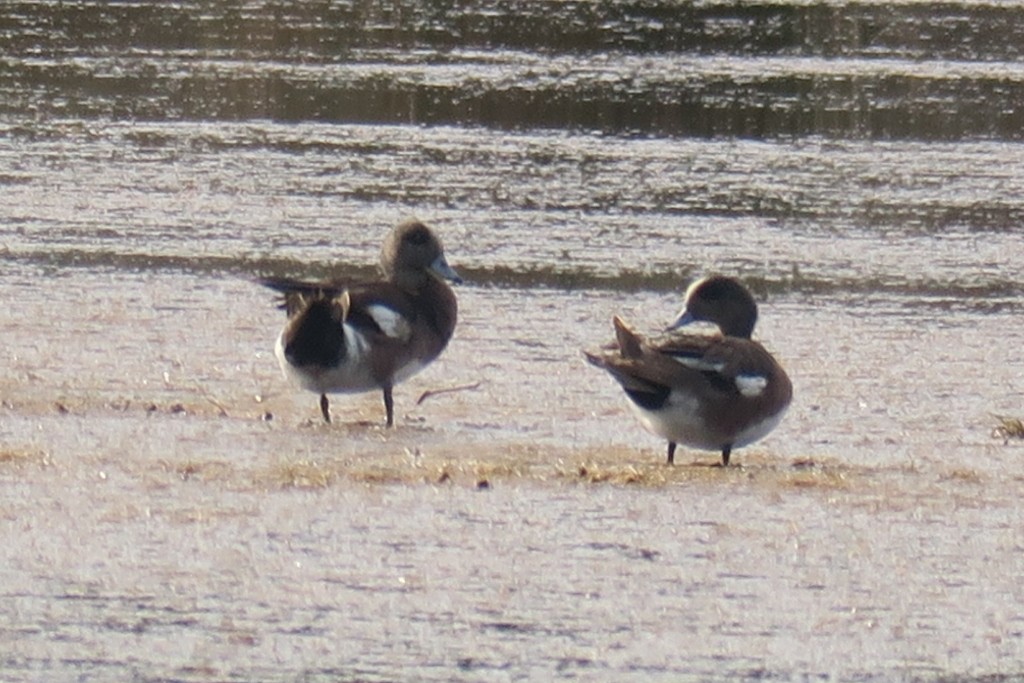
418 236
714 292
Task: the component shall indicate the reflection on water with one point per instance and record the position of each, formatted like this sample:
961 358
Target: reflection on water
928 223
915 71
171 513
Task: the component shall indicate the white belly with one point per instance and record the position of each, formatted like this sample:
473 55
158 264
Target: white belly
679 421
353 376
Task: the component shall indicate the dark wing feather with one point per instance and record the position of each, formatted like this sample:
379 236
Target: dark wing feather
646 367
719 359
295 294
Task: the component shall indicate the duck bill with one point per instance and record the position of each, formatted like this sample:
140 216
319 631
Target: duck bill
684 319
441 267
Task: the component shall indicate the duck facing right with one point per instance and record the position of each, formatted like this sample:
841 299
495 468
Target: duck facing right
710 392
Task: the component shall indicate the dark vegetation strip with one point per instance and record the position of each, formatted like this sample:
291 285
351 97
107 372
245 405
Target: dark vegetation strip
992 295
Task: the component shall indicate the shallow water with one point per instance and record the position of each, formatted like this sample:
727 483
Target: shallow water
173 511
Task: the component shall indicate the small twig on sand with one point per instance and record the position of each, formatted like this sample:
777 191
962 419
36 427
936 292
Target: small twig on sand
216 404
434 392
219 406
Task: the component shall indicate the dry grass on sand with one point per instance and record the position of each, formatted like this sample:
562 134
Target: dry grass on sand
518 465
1008 428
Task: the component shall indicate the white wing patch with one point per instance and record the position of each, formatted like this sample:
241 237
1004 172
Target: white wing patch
751 385
698 364
390 322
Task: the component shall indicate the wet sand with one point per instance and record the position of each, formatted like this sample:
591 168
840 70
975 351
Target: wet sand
175 511
172 510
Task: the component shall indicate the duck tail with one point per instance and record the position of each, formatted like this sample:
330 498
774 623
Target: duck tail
595 359
630 344
313 336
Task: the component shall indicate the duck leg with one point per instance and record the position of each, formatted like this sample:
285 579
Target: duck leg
389 408
726 451
325 408
671 452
